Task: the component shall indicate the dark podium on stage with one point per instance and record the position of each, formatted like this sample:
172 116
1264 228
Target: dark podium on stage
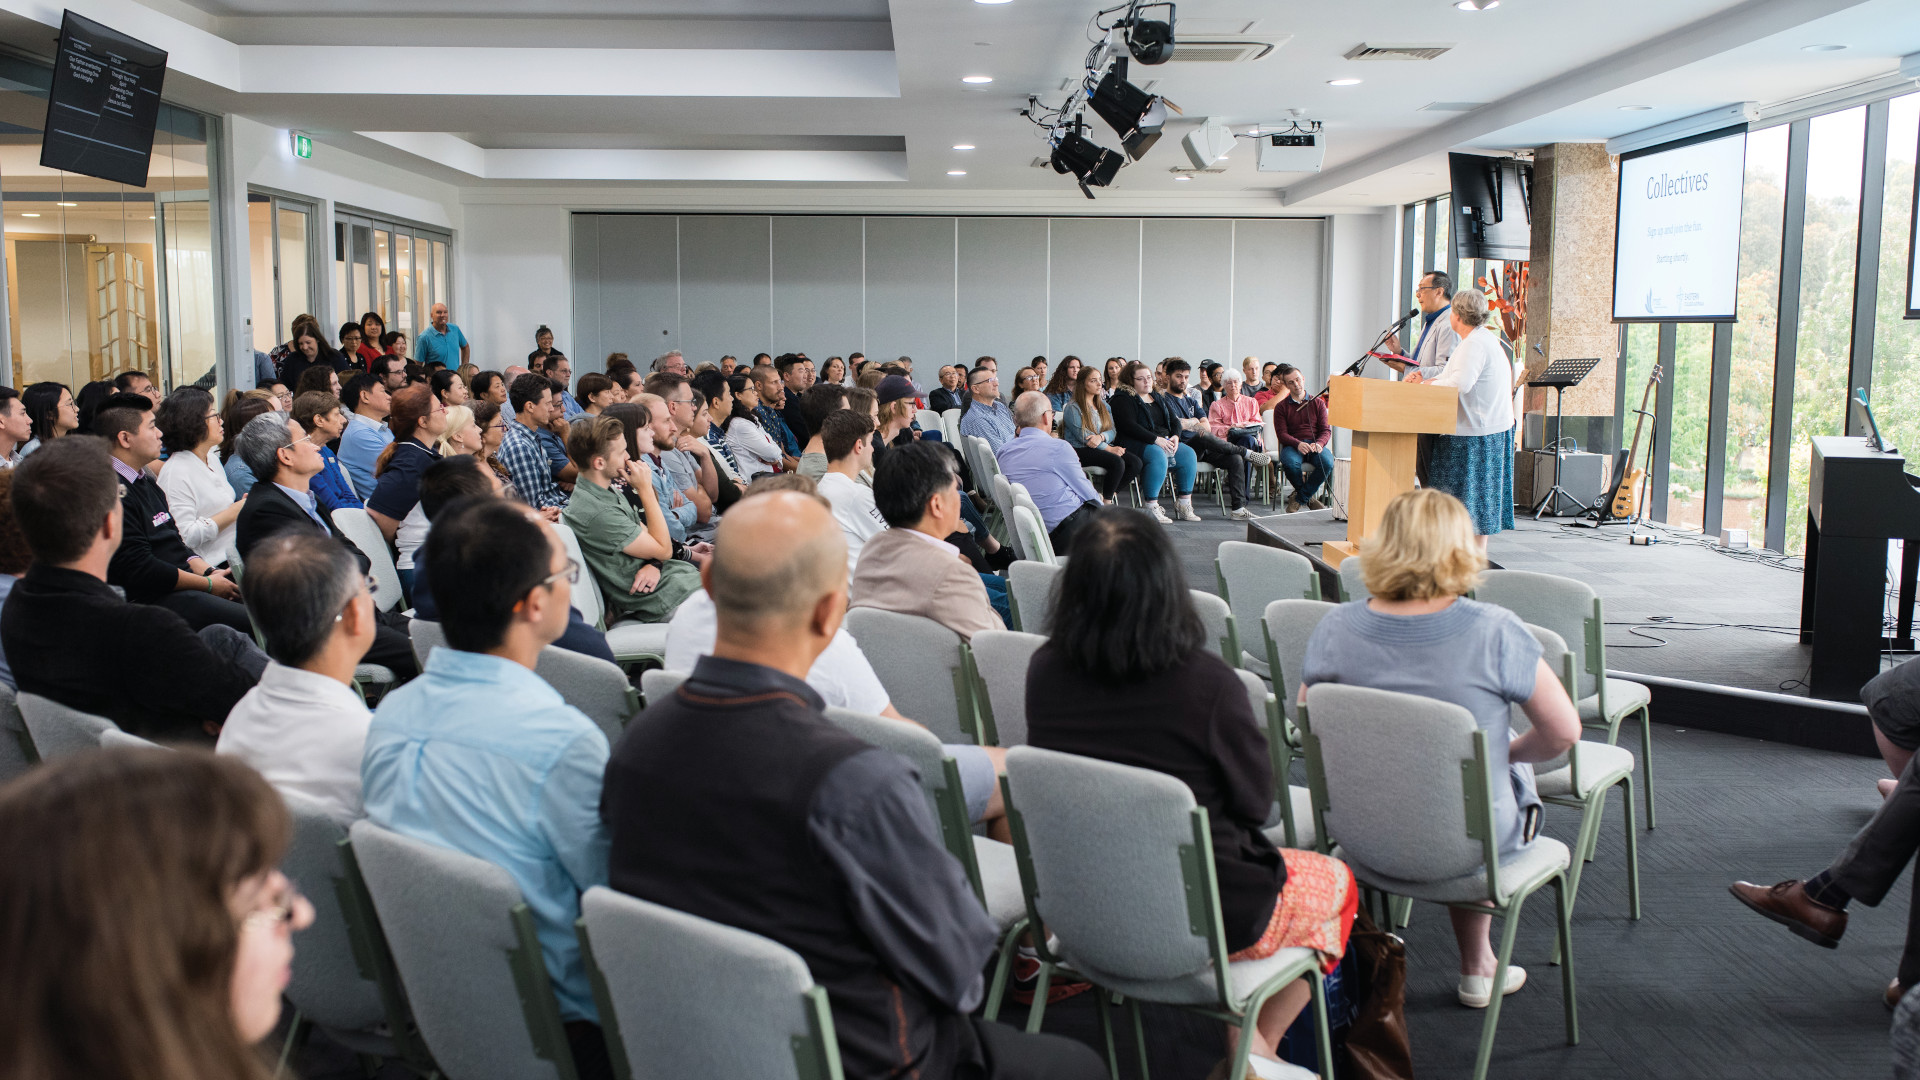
1858 498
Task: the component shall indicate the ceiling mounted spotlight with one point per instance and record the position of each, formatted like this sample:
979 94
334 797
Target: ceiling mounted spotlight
1088 162
1150 40
1132 112
1477 5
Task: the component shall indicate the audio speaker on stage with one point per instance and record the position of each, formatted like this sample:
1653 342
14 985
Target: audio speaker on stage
1582 477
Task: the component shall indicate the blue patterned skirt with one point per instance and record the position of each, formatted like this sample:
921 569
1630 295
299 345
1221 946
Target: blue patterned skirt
1477 470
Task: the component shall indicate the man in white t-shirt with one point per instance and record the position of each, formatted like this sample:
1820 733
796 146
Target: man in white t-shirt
303 727
847 439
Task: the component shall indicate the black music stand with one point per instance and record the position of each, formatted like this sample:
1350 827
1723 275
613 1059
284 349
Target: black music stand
1559 375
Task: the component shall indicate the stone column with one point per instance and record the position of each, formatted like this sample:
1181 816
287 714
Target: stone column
1570 287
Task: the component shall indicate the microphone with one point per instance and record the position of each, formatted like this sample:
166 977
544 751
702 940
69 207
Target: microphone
1405 319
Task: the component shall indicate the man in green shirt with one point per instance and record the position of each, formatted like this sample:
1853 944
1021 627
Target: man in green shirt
627 551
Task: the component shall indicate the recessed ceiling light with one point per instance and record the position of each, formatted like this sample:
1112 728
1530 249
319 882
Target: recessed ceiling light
1636 108
66 204
976 80
1181 179
1477 5
956 172
1343 82
1821 48
993 1
984 43
29 215
963 146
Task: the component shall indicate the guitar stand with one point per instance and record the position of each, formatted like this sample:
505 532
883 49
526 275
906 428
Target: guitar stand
1601 513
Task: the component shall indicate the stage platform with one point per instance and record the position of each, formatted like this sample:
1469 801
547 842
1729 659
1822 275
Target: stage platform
1715 632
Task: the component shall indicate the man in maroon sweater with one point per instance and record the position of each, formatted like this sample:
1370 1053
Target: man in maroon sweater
1300 422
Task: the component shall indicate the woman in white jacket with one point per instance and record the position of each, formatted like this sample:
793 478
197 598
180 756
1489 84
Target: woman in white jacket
203 504
753 447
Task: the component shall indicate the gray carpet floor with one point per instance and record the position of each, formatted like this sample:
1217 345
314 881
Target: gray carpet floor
1699 988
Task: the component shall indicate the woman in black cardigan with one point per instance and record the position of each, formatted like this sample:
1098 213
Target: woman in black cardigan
1143 424
1126 678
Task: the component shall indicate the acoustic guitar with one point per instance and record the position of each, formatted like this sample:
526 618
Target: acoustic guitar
1626 492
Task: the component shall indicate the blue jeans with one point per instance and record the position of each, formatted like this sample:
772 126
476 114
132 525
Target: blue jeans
997 596
1153 472
1294 464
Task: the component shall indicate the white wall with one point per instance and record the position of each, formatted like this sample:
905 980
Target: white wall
514 270
1363 254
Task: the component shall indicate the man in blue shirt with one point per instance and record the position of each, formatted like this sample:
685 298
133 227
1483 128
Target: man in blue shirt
442 341
481 756
521 452
1049 469
988 417
560 370
368 402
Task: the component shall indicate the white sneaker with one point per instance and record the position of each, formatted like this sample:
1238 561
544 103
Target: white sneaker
1159 514
1476 991
1184 512
1259 457
1266 1068
1241 513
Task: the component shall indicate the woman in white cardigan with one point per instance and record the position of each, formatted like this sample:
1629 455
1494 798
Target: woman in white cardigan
203 504
1475 463
753 447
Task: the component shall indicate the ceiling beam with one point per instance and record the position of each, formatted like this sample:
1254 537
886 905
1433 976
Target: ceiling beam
1708 37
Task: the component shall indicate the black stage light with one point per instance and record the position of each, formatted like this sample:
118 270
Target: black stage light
1132 112
1088 162
1151 42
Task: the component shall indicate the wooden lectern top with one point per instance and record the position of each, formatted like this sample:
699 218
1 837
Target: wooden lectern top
1385 405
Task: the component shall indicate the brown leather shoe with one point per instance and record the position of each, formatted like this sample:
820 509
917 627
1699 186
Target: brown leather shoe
1894 993
1789 905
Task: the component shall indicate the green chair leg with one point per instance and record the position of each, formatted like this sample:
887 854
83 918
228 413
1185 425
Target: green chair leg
1633 851
292 1040
1139 1035
1003 969
1402 911
1646 761
1563 899
1100 1006
1039 1008
1511 919
1322 1030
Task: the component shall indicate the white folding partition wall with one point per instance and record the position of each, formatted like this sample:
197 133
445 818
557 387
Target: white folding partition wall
945 289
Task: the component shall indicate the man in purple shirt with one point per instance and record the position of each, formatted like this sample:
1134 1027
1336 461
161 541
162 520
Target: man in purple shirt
1049 469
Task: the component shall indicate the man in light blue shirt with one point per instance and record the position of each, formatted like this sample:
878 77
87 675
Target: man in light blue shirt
1049 469
988 417
480 755
442 341
560 370
368 402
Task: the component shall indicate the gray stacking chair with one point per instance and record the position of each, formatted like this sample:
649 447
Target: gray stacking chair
114 739
1406 783
988 863
463 941
1000 490
1572 609
950 427
632 642
1223 638
358 527
1293 803
1030 530
925 667
1117 863
1030 593
592 685
657 683
1000 661
687 997
427 636
336 982
1581 779
1353 581
56 730
1287 626
17 754
1251 576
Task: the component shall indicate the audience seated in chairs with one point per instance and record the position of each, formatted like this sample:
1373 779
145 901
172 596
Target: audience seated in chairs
820 401
1419 634
304 727
735 800
757 450
1144 424
1300 423
629 553
529 466
70 637
1127 678
463 476
154 565
987 417
683 465
481 756
1049 469
204 505
144 928
323 417
913 567
368 401
286 459
1087 426
677 506
1235 461
417 422
15 558
848 438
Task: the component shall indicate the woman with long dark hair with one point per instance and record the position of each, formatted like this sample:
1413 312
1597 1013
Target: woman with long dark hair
52 411
753 448
417 421
371 327
1126 677
1146 427
318 379
1060 387
144 928
1087 426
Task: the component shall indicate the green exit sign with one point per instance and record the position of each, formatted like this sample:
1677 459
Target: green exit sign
302 145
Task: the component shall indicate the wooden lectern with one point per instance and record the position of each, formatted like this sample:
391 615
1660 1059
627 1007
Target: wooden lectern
1386 419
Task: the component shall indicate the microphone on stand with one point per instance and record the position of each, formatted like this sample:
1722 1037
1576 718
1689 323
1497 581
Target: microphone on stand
1411 314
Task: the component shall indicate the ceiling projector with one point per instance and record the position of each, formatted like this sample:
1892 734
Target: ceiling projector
1299 151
